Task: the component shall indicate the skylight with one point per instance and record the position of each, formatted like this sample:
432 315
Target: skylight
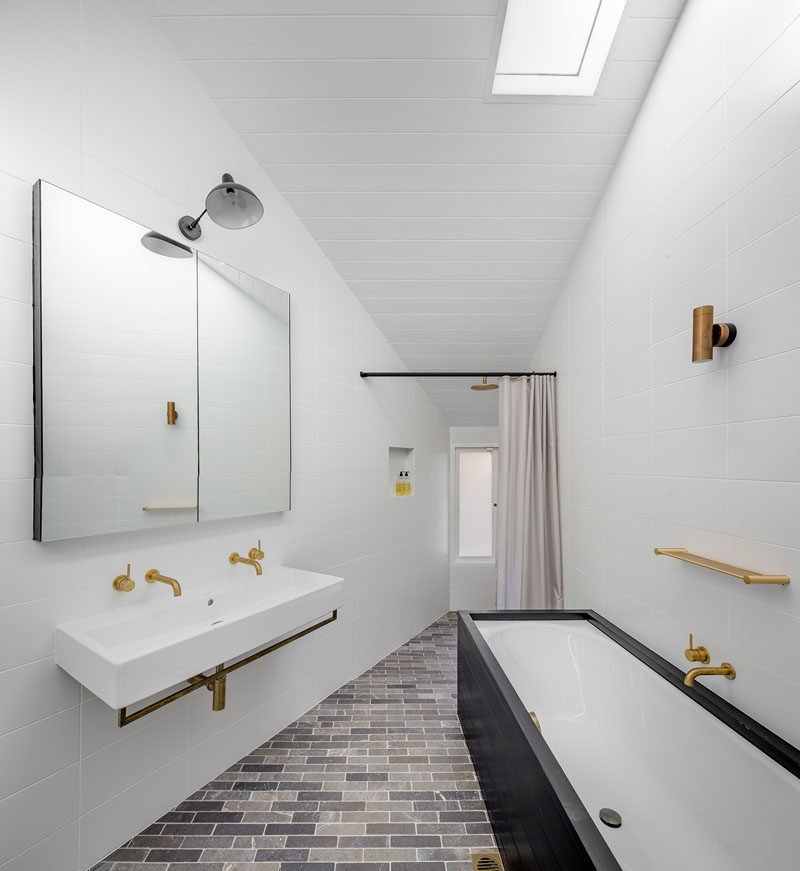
556 47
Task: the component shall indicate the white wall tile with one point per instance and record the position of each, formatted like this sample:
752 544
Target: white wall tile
104 108
702 209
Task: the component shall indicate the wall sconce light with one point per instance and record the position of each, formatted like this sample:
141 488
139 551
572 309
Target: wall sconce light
230 204
706 335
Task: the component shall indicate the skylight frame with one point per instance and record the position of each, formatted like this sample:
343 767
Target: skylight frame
558 87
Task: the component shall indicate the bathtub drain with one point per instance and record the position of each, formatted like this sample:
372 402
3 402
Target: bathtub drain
610 817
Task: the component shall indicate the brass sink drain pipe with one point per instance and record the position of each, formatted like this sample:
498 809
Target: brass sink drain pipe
215 682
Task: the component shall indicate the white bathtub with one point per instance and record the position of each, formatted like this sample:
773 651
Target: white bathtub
693 794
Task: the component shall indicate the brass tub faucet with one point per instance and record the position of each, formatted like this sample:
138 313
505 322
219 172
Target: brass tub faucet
252 559
154 575
700 654
726 670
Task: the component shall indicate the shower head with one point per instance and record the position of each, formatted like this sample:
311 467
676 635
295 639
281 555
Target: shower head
484 385
163 245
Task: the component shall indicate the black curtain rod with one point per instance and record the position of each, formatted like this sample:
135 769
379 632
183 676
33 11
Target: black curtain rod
451 374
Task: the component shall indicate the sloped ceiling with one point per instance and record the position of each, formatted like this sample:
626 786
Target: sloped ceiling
452 218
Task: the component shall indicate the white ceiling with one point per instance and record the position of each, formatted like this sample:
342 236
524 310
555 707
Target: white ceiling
453 219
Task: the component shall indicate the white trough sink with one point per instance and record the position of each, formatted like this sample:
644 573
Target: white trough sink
126 655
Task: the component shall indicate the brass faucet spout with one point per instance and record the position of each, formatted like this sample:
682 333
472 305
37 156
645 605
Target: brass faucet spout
726 670
154 575
252 559
235 558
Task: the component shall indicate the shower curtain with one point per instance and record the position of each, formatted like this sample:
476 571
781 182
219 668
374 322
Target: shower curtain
528 528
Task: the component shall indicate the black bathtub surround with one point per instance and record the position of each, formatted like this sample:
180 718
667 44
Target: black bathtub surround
376 777
538 819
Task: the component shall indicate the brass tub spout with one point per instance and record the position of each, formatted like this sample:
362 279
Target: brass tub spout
726 670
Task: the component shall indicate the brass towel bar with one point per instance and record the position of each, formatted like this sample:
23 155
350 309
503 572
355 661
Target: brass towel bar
168 507
746 575
215 682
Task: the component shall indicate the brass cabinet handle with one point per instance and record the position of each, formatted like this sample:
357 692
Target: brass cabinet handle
172 415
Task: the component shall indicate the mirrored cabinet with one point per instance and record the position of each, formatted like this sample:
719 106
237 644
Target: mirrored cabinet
161 379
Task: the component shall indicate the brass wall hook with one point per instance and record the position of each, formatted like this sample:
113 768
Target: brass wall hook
124 583
706 335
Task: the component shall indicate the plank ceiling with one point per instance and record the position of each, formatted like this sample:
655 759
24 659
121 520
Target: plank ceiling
453 219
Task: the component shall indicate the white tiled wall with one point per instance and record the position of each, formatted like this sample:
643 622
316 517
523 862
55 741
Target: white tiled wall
94 101
703 208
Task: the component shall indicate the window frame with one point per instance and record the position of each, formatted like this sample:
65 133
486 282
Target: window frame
455 451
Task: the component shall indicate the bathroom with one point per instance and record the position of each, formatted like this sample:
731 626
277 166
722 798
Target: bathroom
418 217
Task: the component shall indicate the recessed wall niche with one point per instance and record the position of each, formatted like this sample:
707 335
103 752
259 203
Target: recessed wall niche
400 460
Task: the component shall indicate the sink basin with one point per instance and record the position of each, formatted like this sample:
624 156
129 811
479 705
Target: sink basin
126 655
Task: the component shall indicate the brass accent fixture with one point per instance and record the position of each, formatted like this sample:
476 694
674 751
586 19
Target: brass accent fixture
535 721
746 575
154 575
168 507
217 686
252 559
696 654
726 670
706 335
484 385
124 583
172 415
486 862
216 681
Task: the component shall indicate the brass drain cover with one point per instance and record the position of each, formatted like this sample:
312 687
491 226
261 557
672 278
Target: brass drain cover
486 862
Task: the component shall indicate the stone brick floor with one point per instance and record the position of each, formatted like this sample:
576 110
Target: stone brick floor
375 778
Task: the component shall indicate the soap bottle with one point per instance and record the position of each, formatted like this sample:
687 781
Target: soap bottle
399 485
406 484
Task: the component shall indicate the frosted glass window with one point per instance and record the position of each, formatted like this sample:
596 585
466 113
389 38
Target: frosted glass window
475 511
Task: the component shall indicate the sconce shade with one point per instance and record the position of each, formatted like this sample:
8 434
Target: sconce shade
233 206
163 245
706 335
230 204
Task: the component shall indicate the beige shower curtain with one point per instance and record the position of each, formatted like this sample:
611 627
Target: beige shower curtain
528 528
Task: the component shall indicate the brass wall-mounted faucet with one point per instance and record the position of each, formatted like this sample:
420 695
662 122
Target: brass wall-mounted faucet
726 670
154 575
124 583
700 654
252 559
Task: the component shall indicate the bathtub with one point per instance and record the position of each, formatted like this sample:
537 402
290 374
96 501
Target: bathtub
698 783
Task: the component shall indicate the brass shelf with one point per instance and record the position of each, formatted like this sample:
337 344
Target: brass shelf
746 575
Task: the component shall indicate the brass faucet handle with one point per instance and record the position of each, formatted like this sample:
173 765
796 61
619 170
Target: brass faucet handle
256 552
696 654
124 583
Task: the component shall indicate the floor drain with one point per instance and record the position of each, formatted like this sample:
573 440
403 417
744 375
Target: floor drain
486 862
610 817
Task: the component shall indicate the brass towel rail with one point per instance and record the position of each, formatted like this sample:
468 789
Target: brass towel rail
215 682
746 575
168 507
